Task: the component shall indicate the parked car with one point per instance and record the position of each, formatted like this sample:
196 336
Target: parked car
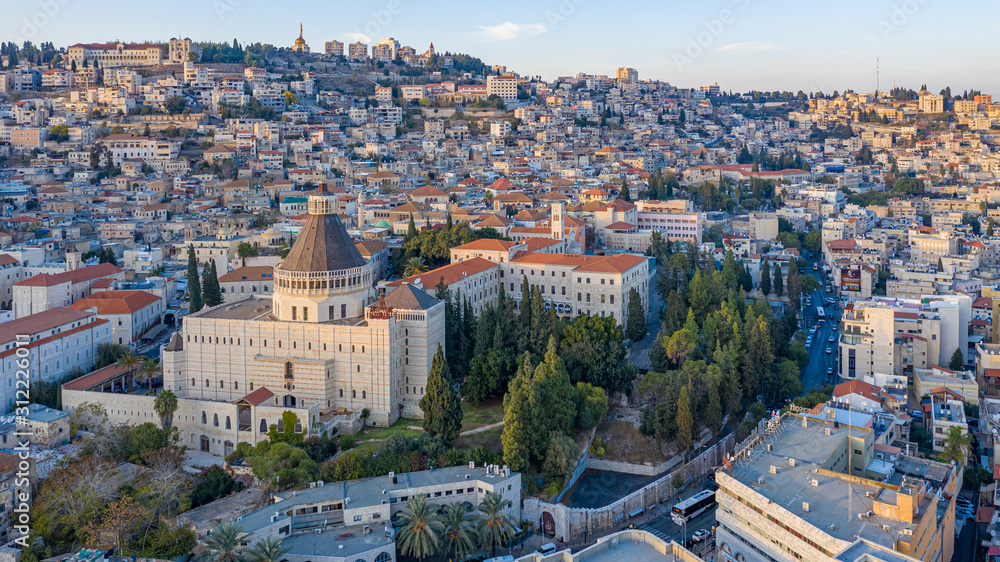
829 370
829 351
701 534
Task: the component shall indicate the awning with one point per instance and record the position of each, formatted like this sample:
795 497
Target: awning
154 332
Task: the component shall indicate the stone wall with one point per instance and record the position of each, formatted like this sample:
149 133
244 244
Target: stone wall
572 522
645 469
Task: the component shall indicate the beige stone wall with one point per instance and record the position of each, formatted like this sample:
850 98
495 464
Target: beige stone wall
188 419
366 365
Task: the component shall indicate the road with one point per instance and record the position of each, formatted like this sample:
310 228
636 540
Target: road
814 375
638 354
665 528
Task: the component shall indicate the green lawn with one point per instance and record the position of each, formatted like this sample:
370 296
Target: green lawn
487 413
490 439
380 433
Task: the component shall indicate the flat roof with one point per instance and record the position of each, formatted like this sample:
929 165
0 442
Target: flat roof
834 503
339 541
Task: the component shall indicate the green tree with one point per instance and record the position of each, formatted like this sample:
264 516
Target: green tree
165 405
175 105
685 421
420 529
211 291
794 284
812 241
779 282
285 433
147 371
129 360
592 405
411 230
459 530
271 549
496 526
518 418
809 283
552 400
623 192
956 446
957 361
194 284
246 250
224 543
441 405
560 456
415 266
593 348
765 278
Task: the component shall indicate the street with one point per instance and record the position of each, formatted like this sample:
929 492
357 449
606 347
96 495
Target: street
665 528
814 375
638 353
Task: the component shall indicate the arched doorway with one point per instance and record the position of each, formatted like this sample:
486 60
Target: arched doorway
205 444
289 401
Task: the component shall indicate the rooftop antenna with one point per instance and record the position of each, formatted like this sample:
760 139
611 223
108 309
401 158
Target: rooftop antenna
876 78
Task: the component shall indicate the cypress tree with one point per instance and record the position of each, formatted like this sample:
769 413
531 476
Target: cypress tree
779 283
440 404
765 278
194 283
636 325
211 292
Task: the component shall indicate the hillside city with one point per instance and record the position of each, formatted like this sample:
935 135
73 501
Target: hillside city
374 302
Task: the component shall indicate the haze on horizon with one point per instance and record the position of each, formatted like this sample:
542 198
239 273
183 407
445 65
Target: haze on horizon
741 44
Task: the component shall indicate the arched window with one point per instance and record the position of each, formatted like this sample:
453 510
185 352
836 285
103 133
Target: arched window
354 394
263 426
215 420
204 418
229 424
383 557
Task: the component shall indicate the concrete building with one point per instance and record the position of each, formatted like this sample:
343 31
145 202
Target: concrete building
503 86
631 544
242 282
58 341
46 291
130 313
812 489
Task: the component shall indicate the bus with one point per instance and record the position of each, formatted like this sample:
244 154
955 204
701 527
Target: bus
820 314
692 507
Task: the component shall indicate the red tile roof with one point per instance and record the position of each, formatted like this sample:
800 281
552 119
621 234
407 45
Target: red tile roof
76 276
116 302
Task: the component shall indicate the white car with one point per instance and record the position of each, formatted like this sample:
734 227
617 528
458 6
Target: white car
700 535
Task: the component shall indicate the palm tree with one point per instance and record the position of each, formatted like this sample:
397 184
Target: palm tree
271 549
415 266
129 360
420 531
459 529
165 405
497 526
223 543
148 368
956 446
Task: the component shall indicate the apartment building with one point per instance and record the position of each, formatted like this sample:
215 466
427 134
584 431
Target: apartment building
503 86
930 103
334 48
945 412
896 336
807 488
675 220
58 341
358 51
135 147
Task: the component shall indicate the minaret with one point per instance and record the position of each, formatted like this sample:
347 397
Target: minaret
300 31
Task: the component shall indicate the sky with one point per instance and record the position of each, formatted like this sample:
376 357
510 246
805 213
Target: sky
741 44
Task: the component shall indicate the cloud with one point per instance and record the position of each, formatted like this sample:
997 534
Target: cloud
355 36
507 31
747 47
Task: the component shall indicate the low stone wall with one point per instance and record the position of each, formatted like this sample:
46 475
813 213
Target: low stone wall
645 469
572 522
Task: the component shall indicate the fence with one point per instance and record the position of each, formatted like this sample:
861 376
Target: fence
581 465
572 523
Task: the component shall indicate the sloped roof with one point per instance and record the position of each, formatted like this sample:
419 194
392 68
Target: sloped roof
408 297
116 302
75 276
323 245
248 273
